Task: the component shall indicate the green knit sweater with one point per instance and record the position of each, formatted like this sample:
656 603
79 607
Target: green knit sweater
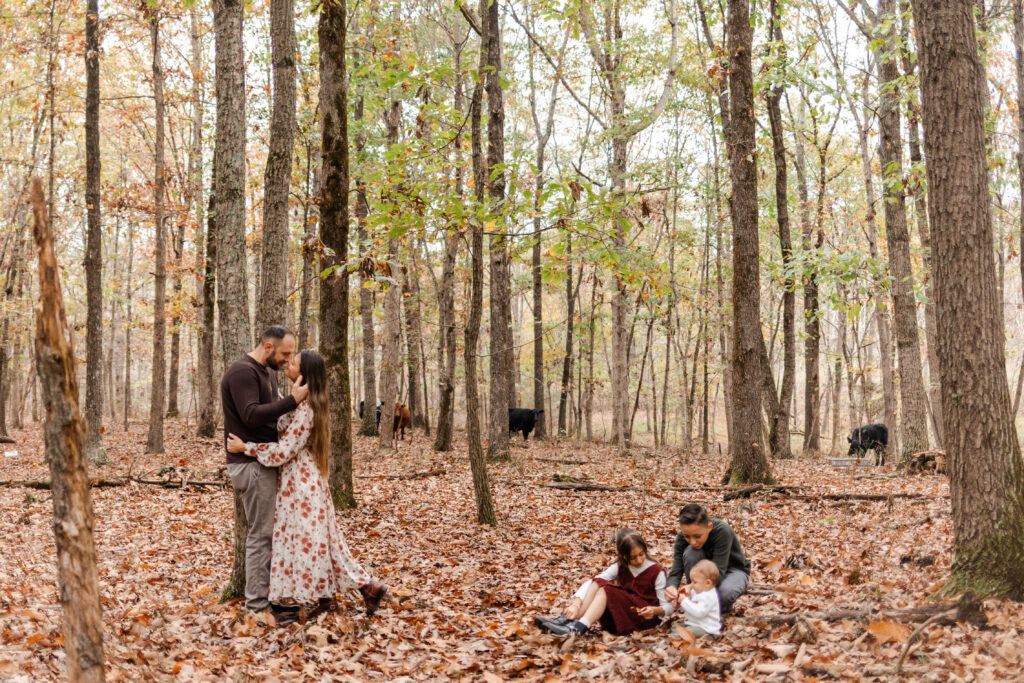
722 548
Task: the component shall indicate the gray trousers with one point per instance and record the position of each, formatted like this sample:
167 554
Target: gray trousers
258 487
730 586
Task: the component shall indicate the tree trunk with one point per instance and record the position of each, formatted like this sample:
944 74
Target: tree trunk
94 243
477 462
206 255
391 366
128 328
985 466
64 434
500 347
914 420
155 437
1018 42
272 306
538 306
228 216
812 327
172 385
368 425
779 434
334 227
749 463
414 340
881 310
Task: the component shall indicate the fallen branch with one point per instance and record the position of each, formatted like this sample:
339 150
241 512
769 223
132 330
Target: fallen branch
118 481
7 439
560 461
409 475
748 491
583 486
946 611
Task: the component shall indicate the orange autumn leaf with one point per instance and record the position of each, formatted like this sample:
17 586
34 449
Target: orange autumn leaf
889 631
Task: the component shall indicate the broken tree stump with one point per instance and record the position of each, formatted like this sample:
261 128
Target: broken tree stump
64 435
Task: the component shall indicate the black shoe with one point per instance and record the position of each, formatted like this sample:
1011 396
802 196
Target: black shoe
284 608
575 626
561 620
284 616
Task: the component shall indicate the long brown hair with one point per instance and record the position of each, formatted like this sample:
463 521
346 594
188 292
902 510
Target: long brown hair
314 374
625 541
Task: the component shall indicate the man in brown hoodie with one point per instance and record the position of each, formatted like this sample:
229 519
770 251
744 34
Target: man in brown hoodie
251 406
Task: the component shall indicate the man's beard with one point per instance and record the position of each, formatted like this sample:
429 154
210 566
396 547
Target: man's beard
273 364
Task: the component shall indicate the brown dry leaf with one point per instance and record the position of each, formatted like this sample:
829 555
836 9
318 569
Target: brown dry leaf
889 631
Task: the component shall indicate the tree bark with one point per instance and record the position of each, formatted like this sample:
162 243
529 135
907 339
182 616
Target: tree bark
272 307
749 463
500 338
368 425
779 435
1018 43
391 366
128 328
985 466
228 216
155 437
447 352
477 461
414 340
206 255
64 435
334 227
914 419
172 386
94 243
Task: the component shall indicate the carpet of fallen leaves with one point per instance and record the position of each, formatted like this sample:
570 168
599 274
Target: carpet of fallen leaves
464 595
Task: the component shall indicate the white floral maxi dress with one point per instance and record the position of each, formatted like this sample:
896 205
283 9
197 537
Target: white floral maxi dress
309 559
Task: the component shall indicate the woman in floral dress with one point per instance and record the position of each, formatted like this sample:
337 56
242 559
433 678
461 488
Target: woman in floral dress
310 561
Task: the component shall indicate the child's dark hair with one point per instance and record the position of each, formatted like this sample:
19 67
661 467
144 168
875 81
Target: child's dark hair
692 513
626 540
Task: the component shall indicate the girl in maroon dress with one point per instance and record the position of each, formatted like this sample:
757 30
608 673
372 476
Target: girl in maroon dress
627 596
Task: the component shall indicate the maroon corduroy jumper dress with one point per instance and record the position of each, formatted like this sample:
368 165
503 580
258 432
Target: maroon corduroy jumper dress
625 593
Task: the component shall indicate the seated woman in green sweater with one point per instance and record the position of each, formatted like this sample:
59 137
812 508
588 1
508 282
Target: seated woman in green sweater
703 538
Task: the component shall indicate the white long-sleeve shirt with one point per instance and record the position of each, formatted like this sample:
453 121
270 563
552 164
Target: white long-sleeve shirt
703 611
612 573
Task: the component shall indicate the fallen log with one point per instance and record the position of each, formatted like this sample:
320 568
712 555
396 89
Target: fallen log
748 491
117 481
409 475
912 614
584 486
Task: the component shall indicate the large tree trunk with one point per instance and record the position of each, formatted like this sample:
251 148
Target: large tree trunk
64 434
272 306
748 463
155 437
477 462
1018 42
205 255
500 346
94 243
779 435
368 425
570 301
334 226
914 419
228 198
985 466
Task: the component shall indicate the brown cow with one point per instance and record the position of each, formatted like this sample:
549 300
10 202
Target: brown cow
402 419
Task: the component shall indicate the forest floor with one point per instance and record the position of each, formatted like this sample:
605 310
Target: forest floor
465 595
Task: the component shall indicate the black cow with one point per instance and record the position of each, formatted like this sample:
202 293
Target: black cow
379 406
523 420
870 437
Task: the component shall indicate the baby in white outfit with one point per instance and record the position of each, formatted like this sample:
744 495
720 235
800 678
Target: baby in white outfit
703 615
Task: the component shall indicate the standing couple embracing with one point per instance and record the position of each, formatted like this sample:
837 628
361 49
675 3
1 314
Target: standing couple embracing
278 459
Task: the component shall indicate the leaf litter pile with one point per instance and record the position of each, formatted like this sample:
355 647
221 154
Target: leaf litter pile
464 596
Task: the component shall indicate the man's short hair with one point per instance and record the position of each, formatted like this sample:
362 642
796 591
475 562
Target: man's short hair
276 333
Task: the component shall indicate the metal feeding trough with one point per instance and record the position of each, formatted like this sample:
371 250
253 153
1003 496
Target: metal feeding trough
846 463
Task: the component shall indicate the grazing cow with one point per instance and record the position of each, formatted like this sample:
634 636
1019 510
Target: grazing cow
867 438
379 406
523 420
402 419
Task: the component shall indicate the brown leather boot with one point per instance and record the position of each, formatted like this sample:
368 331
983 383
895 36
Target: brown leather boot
373 592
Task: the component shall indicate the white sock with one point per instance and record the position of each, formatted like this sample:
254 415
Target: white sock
586 622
